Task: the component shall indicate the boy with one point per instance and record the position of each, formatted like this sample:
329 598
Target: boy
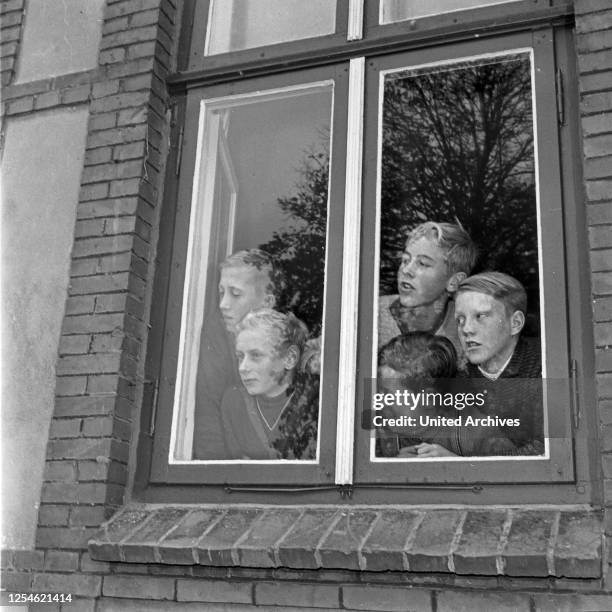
437 257
248 280
422 361
490 313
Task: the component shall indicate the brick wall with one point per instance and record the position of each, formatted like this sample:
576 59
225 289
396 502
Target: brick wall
594 46
100 365
11 18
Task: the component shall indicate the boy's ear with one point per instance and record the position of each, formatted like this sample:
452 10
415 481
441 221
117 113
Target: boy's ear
291 358
453 282
517 322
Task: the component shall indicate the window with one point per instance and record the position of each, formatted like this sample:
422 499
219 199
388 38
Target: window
306 158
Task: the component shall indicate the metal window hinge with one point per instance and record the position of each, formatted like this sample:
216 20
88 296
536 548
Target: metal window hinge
560 98
179 152
153 414
574 393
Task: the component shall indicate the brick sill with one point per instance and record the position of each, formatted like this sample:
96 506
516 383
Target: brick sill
534 542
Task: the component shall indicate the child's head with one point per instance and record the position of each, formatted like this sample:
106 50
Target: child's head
490 314
437 256
417 355
248 280
268 347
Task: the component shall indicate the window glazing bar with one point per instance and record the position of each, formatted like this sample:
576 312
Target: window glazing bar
345 434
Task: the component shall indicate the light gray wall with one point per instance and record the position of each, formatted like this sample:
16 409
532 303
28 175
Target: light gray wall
60 36
41 167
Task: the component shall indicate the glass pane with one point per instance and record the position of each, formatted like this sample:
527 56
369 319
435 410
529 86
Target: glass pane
244 24
399 10
248 374
459 286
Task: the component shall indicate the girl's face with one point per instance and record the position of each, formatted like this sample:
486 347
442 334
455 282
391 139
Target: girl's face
262 368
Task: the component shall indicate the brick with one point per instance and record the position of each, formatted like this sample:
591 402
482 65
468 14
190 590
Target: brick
116 136
601 260
88 364
88 228
70 538
89 565
135 34
599 81
77 584
120 101
125 187
384 548
527 545
297 548
431 547
76 94
104 545
257 548
340 548
111 56
597 146
591 23
578 547
78 448
457 601
81 304
21 105
603 334
11 19
138 82
16 582
104 471
88 516
101 283
60 471
176 546
46 100
74 345
599 214
103 384
604 385
80 324
98 156
478 546
105 88
598 167
83 406
141 546
11 5
597 102
216 546
593 125
105 343
599 190
103 121
65 428
594 41
70 385
286 594
97 191
131 68
603 360
127 7
106 426
602 308
553 602
142 50
115 25
104 172
85 492
214 591
28 559
139 587
52 515
601 283
369 597
587 6
133 116
129 151
600 236
61 561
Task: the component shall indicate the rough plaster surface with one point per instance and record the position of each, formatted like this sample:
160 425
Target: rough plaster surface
41 169
60 36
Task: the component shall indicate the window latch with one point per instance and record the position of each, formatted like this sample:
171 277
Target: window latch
155 386
560 98
574 393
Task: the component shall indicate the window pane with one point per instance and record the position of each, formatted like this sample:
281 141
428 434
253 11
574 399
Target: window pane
244 24
458 150
399 10
249 393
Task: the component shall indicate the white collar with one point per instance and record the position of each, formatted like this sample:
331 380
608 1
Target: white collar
498 373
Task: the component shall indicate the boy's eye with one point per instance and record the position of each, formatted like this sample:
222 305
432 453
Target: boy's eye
481 315
460 320
236 293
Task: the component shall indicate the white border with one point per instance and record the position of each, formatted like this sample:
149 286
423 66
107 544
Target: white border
450 62
355 20
181 436
345 433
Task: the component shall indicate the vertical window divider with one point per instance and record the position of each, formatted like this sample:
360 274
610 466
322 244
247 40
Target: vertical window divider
355 20
350 275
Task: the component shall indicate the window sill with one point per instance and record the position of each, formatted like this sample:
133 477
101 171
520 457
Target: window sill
543 541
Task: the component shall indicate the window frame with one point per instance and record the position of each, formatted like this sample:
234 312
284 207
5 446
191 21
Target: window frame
288 59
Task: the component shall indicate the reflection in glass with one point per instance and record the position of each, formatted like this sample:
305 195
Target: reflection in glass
258 234
457 179
399 10
245 24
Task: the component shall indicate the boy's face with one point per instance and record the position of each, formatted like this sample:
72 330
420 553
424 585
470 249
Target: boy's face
423 274
261 368
486 330
242 289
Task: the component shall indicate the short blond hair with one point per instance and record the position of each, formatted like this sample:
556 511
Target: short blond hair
500 286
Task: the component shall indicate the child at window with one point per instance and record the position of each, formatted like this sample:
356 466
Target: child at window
427 361
274 414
